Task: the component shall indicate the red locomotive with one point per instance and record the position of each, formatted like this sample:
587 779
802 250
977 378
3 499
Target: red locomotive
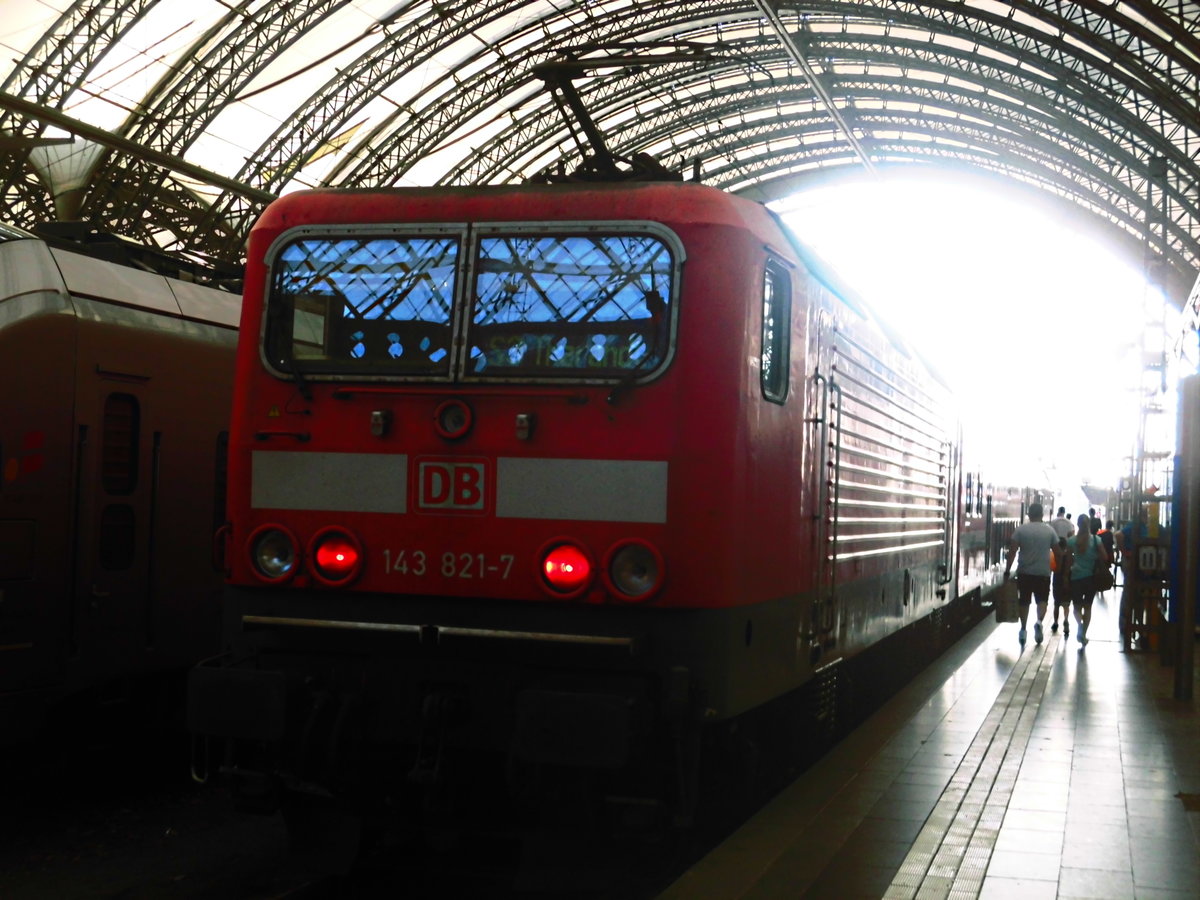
538 486
117 385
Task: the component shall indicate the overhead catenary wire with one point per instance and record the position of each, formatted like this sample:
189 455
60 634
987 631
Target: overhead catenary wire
772 16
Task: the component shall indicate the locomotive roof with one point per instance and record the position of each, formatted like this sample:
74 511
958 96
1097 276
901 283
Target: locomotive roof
667 202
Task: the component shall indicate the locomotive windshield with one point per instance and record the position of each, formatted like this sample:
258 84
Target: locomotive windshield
363 304
527 305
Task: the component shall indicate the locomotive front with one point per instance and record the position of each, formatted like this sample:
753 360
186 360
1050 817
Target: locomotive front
473 539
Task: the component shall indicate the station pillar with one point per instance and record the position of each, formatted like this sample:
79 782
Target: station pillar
1187 518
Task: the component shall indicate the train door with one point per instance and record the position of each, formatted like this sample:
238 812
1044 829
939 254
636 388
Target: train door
991 551
115 499
823 624
949 569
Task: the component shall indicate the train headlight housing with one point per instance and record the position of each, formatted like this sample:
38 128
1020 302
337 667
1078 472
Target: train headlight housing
335 556
453 419
565 567
633 570
273 553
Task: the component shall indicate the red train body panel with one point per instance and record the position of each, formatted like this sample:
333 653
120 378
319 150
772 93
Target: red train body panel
438 390
573 421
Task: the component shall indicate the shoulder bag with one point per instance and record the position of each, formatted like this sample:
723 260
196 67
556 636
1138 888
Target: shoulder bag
1102 577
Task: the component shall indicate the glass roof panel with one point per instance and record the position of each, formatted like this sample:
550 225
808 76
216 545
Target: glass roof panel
455 97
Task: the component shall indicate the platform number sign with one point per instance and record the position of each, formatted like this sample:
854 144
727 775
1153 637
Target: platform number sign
1152 559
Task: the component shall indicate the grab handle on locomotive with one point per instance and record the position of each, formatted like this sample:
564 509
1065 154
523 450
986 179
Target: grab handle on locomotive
836 485
946 566
219 554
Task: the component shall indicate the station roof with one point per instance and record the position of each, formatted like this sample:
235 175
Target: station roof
173 122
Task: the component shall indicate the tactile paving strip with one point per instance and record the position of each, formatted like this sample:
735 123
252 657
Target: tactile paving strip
951 853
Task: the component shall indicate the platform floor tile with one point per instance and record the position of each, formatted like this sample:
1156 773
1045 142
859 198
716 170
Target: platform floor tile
1055 771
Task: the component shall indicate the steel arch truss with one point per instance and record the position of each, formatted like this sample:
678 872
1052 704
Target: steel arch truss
1074 98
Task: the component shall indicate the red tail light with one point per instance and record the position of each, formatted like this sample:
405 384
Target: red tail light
336 556
566 569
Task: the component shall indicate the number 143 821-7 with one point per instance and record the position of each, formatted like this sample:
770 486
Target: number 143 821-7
419 564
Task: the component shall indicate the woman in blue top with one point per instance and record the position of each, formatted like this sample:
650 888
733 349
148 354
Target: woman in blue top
1085 555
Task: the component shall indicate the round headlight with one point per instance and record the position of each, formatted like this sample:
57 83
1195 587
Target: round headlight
452 419
634 570
273 553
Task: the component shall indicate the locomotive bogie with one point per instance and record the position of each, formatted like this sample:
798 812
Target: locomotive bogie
491 688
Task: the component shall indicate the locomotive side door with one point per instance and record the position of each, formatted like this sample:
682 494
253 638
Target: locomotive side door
949 566
822 629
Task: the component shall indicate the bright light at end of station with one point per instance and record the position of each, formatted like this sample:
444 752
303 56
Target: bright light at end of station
1027 309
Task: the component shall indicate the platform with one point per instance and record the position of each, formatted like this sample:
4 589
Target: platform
1057 771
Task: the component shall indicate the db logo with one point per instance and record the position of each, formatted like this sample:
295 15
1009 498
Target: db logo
451 485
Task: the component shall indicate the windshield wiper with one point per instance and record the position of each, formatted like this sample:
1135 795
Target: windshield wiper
301 383
629 378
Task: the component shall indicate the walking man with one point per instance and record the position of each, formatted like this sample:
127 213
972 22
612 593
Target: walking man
1035 541
1062 524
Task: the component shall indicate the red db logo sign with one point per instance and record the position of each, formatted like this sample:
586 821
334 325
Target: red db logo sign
451 485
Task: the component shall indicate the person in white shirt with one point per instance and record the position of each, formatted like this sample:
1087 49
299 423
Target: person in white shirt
1062 525
1035 541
